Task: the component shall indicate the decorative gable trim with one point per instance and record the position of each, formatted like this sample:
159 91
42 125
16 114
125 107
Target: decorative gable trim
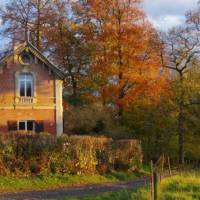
27 46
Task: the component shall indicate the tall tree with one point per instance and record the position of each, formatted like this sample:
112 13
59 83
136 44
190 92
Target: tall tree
40 16
16 18
124 52
193 18
21 16
67 46
179 54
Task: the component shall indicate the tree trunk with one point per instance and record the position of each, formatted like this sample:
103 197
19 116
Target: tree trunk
120 95
74 87
181 130
120 75
38 31
26 36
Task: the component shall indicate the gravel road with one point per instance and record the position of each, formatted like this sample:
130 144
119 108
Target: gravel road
63 193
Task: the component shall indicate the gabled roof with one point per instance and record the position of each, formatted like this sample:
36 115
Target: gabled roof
28 46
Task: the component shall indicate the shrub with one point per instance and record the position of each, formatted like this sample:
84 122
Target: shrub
87 119
127 155
23 155
94 119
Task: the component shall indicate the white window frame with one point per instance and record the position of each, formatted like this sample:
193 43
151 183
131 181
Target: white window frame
25 77
26 125
25 70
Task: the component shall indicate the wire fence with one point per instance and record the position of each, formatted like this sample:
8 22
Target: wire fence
159 170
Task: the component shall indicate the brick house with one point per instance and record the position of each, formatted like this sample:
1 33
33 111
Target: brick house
30 92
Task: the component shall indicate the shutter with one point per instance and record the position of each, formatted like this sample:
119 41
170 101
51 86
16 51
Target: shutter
30 125
39 126
12 125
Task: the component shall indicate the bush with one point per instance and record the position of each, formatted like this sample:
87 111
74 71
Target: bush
94 119
24 155
127 155
87 119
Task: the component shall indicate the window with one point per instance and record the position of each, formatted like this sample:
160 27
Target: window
26 58
26 125
26 85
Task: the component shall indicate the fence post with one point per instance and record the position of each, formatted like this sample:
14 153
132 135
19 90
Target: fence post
155 178
162 167
169 166
152 181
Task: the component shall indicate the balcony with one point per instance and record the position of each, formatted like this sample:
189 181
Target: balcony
25 100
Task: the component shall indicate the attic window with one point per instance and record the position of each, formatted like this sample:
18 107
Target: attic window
25 59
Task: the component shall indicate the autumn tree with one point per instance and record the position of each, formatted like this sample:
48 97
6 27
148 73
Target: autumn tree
21 16
124 57
193 18
179 54
67 47
15 18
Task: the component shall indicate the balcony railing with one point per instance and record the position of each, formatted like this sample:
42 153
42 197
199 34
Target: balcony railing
25 100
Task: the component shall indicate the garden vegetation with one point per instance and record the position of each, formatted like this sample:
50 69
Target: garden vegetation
42 154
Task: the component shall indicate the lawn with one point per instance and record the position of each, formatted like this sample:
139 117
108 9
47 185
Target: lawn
14 184
140 194
181 187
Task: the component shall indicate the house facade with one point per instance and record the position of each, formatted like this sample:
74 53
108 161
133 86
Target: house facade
30 92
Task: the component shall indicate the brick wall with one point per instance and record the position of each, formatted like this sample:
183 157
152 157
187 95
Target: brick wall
42 110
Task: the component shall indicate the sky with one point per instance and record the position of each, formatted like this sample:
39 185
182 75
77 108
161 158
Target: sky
164 14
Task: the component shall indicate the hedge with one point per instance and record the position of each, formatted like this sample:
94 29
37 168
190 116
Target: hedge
42 154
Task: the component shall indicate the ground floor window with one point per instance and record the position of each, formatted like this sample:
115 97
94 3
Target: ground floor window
26 125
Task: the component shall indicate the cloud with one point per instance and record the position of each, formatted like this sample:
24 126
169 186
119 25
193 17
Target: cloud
167 21
165 14
168 7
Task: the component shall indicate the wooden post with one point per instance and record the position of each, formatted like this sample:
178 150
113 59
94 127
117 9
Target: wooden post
152 181
169 166
162 167
155 178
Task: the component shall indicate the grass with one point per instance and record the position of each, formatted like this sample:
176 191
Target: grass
180 187
140 194
13 184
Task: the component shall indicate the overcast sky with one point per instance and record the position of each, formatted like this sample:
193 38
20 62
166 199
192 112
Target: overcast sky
168 13
164 14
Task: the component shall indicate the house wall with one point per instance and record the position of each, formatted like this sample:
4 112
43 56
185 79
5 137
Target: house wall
44 107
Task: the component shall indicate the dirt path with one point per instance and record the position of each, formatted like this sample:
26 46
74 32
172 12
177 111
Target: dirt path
75 191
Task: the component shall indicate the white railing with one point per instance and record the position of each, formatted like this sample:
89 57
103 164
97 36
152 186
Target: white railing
26 100
33 100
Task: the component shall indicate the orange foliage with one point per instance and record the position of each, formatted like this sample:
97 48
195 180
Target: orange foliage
125 50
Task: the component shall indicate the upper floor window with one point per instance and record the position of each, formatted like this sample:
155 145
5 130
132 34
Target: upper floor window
25 85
